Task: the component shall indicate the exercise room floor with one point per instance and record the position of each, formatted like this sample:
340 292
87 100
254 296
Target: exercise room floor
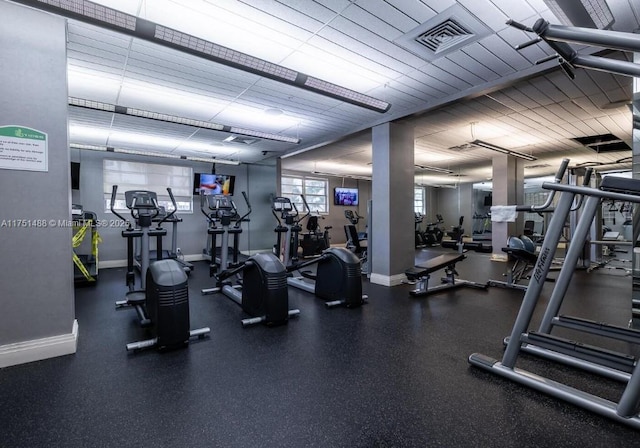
393 373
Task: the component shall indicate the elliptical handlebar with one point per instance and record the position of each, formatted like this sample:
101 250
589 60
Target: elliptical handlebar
304 201
175 208
207 215
244 217
114 191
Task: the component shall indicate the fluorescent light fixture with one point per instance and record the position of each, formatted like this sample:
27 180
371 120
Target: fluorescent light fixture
154 154
503 150
97 105
263 135
102 16
434 168
344 94
90 104
349 176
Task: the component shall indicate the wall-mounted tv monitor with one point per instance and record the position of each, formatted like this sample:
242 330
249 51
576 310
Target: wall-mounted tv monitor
345 196
75 175
213 184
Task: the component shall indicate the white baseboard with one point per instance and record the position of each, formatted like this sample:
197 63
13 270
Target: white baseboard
106 264
259 251
387 280
123 263
38 349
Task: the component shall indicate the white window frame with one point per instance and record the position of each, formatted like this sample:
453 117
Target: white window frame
418 202
293 193
133 175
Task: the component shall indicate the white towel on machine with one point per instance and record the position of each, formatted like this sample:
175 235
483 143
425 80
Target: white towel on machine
503 213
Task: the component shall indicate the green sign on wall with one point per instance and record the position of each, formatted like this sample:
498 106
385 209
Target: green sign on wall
23 148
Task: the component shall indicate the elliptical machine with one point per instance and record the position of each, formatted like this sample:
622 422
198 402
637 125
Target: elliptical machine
338 279
163 300
263 293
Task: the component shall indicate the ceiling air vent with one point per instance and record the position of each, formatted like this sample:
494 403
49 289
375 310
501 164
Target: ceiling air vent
450 30
444 36
603 143
463 147
240 140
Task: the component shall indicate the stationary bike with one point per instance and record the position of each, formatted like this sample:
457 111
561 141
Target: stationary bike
314 241
162 303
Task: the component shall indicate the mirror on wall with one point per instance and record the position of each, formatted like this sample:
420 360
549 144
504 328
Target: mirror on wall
481 219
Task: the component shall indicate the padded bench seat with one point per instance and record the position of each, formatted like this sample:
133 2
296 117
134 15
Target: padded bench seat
433 264
421 274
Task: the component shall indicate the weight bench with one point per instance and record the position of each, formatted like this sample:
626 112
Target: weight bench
476 246
420 274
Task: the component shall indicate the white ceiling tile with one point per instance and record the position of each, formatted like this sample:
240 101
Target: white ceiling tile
392 15
353 43
488 59
416 10
371 22
505 52
487 12
473 66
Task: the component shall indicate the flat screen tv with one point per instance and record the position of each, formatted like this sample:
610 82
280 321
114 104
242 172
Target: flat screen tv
345 196
213 184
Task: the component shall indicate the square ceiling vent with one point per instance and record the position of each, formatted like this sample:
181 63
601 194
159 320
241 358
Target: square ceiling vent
450 30
240 140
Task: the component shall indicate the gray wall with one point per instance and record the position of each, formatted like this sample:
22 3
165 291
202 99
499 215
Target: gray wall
261 187
192 231
36 263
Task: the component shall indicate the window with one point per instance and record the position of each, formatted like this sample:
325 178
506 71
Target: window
418 200
315 191
148 176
